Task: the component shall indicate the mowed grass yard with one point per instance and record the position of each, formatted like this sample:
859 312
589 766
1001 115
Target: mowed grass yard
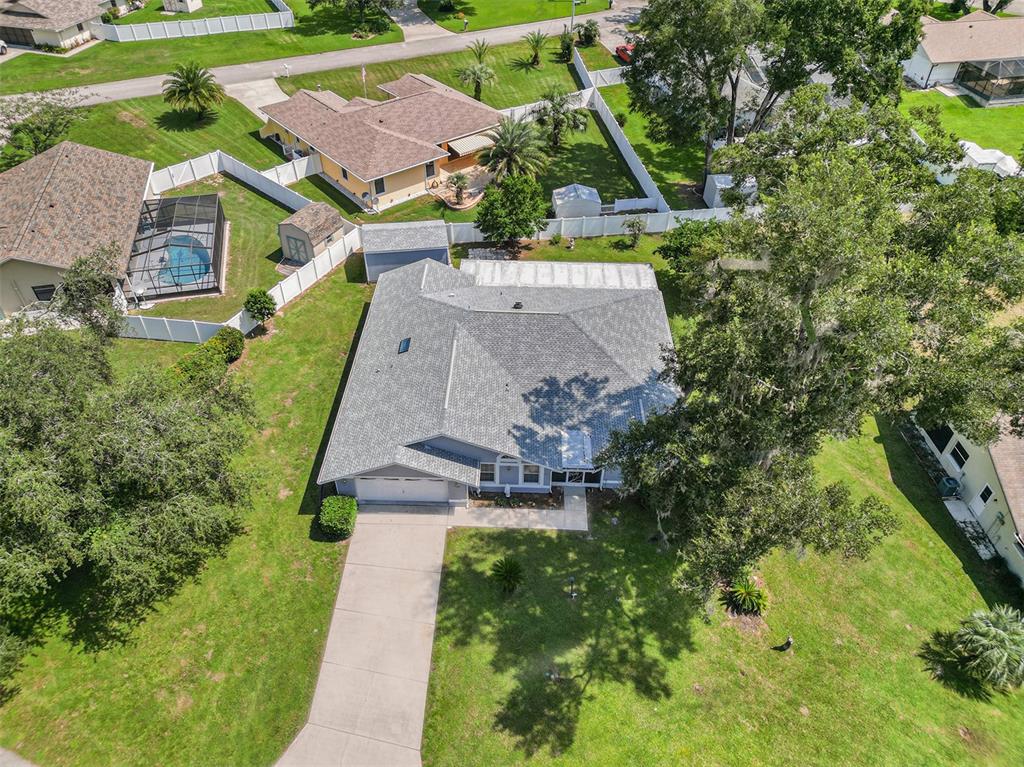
153 11
646 681
326 29
149 129
677 170
991 128
222 673
484 14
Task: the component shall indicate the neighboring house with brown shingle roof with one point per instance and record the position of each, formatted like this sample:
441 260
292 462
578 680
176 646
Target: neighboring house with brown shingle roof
991 485
65 203
310 230
381 153
980 52
60 23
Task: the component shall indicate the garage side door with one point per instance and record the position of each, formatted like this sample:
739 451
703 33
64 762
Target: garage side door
402 490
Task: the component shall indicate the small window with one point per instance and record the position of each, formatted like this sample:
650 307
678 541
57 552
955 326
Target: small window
344 174
403 345
487 473
959 455
312 150
985 494
431 169
378 186
80 27
531 474
557 477
44 292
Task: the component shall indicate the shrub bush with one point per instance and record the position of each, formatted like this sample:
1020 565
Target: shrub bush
508 572
231 343
742 596
204 365
989 647
621 118
337 518
260 305
589 32
556 239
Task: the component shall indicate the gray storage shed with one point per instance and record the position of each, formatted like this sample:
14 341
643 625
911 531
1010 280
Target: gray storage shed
576 201
309 231
389 246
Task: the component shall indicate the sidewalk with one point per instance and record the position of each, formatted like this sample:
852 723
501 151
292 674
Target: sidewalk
614 21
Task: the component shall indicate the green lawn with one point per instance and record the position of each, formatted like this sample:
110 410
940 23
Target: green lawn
992 127
327 29
517 82
676 170
646 681
154 11
222 673
253 252
598 57
945 12
149 129
484 14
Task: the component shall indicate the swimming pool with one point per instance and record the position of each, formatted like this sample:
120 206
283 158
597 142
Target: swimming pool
188 261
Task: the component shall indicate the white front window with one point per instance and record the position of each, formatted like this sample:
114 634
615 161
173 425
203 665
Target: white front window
531 474
487 474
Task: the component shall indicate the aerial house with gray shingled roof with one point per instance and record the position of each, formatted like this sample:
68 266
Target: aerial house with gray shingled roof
505 378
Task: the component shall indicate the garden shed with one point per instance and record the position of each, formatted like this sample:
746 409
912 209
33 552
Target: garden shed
309 231
389 246
576 201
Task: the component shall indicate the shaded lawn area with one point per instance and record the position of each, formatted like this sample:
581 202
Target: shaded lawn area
676 170
992 128
945 12
147 128
128 356
154 11
327 29
517 83
484 14
253 253
222 673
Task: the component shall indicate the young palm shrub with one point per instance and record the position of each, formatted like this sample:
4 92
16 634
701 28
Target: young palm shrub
508 572
742 596
192 87
565 44
517 150
989 646
537 41
458 183
478 75
558 113
480 49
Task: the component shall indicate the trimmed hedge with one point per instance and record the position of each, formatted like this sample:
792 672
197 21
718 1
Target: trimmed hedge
337 518
230 341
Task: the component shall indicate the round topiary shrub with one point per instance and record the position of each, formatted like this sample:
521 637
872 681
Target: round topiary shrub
742 596
260 305
337 518
230 341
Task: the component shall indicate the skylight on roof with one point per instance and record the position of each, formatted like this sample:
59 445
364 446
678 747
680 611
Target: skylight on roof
404 345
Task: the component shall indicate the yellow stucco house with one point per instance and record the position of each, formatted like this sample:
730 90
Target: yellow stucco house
381 153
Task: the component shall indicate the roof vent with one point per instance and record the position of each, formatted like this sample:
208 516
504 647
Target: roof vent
404 345
517 305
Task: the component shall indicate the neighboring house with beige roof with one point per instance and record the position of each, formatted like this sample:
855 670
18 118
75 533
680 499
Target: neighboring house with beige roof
991 485
980 52
67 202
60 23
381 153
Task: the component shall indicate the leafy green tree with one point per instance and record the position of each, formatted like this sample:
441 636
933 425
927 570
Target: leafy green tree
192 87
635 227
512 211
831 305
361 8
86 293
260 305
686 52
517 149
33 124
478 75
559 112
537 41
589 32
989 646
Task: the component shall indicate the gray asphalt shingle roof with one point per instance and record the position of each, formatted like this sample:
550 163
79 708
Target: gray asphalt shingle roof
481 372
411 235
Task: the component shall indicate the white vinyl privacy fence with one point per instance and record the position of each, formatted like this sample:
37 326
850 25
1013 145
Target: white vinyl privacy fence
214 25
604 77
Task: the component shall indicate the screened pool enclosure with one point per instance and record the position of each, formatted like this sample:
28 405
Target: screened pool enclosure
178 248
993 81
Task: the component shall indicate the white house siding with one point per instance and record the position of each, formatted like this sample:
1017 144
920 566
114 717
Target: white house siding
994 516
919 68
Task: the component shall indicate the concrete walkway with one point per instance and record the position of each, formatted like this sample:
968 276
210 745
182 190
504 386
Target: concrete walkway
415 24
371 695
319 62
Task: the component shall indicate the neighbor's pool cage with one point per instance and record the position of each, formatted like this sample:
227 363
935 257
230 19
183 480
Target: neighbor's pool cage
993 81
179 247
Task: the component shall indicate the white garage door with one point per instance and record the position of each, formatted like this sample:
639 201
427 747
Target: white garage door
402 490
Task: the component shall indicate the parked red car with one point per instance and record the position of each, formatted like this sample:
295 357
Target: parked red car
625 52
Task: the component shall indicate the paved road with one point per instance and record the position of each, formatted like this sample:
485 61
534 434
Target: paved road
613 24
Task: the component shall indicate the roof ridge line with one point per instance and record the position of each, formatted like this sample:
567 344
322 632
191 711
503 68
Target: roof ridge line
42 190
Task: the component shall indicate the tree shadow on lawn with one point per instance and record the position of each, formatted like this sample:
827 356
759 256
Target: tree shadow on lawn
585 161
623 627
186 120
326 21
913 482
939 656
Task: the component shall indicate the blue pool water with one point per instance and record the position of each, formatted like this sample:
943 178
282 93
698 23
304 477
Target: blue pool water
188 261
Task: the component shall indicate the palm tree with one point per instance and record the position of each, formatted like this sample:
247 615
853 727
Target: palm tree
517 149
558 112
192 87
478 74
458 183
480 49
537 42
990 646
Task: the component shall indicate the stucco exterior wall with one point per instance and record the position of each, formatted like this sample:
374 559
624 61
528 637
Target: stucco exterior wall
399 187
16 281
65 38
919 69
